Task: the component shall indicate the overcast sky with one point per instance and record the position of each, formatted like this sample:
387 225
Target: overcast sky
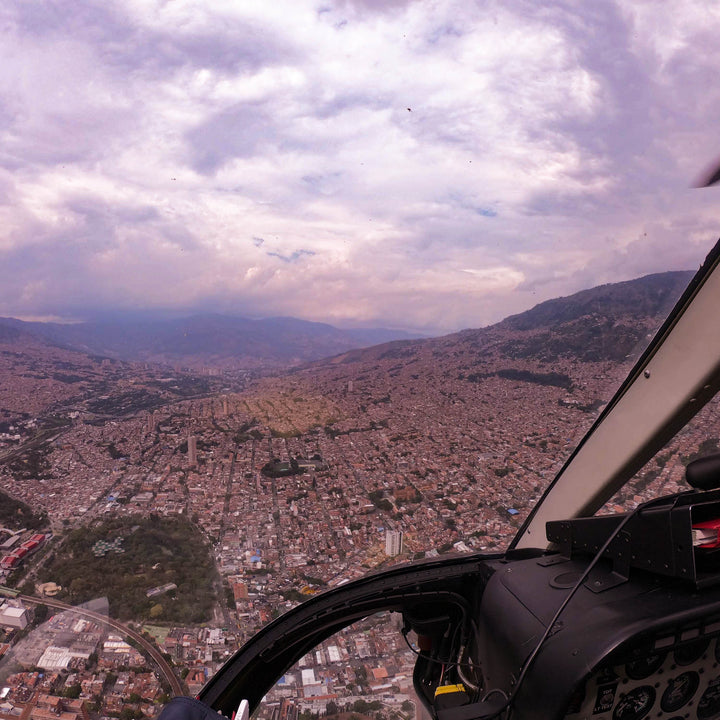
418 165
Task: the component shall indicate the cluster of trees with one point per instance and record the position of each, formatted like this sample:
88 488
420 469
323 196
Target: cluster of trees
114 453
248 431
157 551
554 379
67 378
379 501
361 708
30 465
15 514
331 432
121 403
279 468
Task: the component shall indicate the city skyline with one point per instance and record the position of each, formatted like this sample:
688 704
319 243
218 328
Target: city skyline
202 505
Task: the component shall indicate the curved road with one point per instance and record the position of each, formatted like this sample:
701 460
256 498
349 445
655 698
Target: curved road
164 667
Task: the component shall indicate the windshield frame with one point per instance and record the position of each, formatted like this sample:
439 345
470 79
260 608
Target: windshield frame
674 378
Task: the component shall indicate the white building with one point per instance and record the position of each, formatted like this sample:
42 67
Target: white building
13 616
393 542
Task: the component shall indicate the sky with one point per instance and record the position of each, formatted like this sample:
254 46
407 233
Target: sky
426 166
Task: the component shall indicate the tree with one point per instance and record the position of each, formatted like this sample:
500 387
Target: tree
72 691
156 610
361 706
41 613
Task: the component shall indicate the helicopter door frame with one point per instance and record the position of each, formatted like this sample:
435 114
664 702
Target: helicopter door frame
675 377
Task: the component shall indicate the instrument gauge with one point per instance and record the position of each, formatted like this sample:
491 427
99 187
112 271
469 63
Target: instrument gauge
644 666
688 654
709 704
636 704
679 691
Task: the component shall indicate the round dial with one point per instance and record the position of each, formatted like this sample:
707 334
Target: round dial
679 691
709 704
687 654
645 666
636 704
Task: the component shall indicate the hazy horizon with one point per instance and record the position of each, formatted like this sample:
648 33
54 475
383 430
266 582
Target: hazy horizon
110 317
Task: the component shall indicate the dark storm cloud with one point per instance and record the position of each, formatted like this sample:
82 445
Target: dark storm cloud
622 125
241 131
95 21
49 278
124 43
101 220
234 48
68 270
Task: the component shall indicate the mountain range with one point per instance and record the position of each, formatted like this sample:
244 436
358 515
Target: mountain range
204 340
606 323
603 323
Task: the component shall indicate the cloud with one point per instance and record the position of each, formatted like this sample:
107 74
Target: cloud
243 131
293 257
261 158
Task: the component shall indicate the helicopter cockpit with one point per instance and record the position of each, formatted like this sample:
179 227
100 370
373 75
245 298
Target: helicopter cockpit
604 616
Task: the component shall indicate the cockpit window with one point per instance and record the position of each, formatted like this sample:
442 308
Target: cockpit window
665 473
367 669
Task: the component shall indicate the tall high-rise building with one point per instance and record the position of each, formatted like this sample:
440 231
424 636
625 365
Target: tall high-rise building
192 450
393 542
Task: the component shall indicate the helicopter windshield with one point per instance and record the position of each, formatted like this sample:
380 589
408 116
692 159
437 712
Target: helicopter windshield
293 293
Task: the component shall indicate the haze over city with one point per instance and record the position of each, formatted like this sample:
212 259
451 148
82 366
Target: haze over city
415 165
195 505
267 362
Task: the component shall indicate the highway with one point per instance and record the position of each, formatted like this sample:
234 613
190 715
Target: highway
163 665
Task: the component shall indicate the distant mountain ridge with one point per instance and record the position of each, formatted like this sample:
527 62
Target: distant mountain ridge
603 323
608 322
213 340
645 296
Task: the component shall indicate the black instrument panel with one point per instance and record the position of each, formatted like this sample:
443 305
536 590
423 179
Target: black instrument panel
679 681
